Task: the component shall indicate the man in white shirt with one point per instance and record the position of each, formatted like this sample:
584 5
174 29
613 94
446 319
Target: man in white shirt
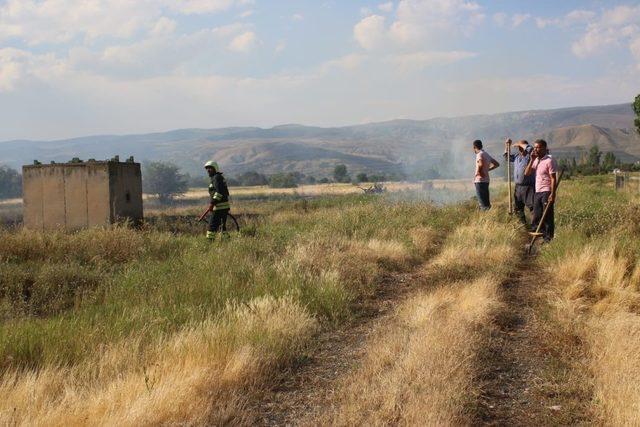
484 164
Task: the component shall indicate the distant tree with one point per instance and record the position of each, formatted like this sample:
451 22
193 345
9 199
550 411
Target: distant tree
164 180
283 180
340 173
298 176
233 182
310 180
432 173
10 183
377 178
197 181
324 180
636 109
252 178
566 167
362 177
594 158
609 161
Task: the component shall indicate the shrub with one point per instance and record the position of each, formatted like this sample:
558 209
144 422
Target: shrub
164 180
10 183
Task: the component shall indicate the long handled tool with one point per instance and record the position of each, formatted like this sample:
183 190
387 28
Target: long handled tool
509 177
535 234
204 215
233 218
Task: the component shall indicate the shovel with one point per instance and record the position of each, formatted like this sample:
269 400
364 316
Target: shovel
535 234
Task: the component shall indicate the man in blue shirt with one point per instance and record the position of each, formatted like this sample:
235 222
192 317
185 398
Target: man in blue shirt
524 191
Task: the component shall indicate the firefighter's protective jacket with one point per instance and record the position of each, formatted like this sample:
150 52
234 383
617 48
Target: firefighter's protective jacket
219 192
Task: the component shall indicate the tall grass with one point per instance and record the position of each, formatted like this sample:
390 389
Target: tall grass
419 368
130 327
594 271
202 374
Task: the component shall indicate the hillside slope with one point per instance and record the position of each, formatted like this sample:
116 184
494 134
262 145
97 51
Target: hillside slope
393 146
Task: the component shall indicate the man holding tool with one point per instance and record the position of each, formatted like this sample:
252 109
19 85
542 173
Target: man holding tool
219 201
545 168
524 191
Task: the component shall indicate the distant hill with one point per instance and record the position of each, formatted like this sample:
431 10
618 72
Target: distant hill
573 141
393 146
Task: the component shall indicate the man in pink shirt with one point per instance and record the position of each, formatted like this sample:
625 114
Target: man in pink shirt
545 168
484 164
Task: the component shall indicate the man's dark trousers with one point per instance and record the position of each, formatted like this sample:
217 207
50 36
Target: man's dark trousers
218 221
539 202
523 196
482 192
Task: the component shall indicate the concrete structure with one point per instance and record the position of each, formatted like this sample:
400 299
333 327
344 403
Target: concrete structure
81 194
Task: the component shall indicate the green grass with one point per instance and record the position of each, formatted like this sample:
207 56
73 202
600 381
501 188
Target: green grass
591 212
63 297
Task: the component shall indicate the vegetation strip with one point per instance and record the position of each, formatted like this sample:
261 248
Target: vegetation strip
418 366
190 327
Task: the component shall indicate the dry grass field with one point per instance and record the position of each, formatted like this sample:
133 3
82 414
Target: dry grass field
157 326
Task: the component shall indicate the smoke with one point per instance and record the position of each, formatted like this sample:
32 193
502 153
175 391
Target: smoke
455 160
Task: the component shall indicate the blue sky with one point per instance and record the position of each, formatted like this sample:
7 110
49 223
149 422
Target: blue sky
72 68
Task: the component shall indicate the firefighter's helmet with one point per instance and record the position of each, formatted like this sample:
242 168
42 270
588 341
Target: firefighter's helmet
212 164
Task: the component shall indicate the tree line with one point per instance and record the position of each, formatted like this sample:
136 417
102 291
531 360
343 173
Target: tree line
595 162
165 181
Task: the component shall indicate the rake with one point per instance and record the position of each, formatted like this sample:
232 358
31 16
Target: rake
536 234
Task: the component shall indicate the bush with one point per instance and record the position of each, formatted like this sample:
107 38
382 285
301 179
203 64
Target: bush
10 183
164 180
362 177
252 178
340 174
283 180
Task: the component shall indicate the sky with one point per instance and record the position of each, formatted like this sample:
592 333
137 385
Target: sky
83 67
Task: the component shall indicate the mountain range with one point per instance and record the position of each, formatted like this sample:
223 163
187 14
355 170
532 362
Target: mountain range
385 147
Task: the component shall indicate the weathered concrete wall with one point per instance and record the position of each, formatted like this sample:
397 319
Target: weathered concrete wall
78 195
32 215
98 202
126 191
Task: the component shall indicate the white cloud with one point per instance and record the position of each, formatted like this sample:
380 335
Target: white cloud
424 20
370 31
386 7
635 50
244 42
500 19
11 68
297 17
573 18
199 6
578 17
163 27
519 19
419 22
347 62
420 60
162 52
247 13
611 28
18 67
281 46
60 21
614 27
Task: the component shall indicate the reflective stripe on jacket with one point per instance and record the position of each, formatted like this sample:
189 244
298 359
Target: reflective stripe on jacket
219 192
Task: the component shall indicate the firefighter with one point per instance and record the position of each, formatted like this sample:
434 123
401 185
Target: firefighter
219 203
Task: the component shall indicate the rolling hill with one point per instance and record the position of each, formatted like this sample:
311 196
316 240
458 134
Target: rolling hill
385 147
